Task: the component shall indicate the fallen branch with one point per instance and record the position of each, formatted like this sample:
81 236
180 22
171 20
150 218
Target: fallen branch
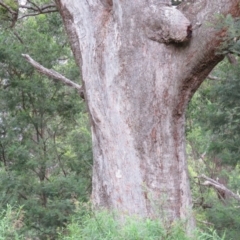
210 77
218 186
53 74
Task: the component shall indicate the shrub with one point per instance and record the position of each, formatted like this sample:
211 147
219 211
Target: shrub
104 226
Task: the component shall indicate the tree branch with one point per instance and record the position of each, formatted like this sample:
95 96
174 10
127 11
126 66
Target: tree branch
211 77
34 4
37 13
218 186
37 10
9 9
53 74
18 37
28 7
48 6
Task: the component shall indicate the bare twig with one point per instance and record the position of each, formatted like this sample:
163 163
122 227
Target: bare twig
34 4
48 6
37 10
53 74
28 7
14 13
218 186
37 13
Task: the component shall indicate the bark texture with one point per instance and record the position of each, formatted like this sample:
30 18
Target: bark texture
141 64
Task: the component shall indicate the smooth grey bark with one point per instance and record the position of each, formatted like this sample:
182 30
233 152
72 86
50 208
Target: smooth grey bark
140 67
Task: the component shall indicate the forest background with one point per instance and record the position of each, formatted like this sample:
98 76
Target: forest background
45 140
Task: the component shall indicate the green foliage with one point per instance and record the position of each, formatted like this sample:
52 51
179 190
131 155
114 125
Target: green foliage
104 225
213 148
225 215
223 117
213 135
11 223
213 116
8 12
45 148
225 219
231 39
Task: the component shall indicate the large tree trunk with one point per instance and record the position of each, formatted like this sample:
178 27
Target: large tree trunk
140 68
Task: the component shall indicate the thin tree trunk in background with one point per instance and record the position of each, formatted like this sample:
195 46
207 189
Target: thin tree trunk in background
141 64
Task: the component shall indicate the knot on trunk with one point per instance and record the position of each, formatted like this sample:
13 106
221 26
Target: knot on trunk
167 24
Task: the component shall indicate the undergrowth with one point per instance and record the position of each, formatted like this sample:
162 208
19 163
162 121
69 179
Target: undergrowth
87 225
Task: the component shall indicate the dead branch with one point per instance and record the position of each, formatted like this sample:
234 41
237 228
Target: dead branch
210 77
53 74
218 186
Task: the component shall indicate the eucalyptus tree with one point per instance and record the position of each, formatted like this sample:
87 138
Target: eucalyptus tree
141 62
